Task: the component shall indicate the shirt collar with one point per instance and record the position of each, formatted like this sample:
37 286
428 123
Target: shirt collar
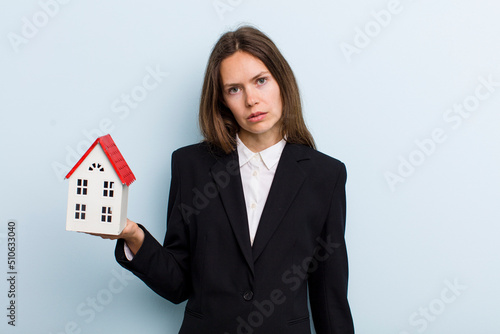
270 156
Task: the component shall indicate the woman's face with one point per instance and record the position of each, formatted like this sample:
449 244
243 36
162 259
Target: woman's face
253 96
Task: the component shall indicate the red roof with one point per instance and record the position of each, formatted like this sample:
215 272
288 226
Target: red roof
115 157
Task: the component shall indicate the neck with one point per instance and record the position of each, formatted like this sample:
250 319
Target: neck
259 142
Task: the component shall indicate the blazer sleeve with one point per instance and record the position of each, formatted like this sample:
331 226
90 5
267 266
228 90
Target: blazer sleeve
165 269
328 281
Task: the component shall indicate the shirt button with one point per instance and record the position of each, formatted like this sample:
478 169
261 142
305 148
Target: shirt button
248 295
253 206
255 173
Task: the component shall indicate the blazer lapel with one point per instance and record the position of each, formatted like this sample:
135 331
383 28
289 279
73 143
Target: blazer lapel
233 200
286 183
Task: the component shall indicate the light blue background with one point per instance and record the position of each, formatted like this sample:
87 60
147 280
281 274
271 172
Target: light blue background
367 109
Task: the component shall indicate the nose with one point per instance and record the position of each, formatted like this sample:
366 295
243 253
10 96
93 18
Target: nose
252 97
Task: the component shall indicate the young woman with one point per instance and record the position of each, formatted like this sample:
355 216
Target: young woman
256 216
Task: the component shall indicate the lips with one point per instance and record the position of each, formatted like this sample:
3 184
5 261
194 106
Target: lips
256 116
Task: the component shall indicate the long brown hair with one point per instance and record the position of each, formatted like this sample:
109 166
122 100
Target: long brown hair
217 122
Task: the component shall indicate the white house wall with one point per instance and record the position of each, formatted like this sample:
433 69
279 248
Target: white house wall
124 206
94 200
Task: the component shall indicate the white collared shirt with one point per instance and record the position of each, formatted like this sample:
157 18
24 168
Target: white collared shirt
257 173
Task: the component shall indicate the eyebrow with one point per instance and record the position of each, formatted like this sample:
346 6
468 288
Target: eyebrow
254 78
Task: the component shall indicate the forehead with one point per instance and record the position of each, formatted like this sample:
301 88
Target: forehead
241 66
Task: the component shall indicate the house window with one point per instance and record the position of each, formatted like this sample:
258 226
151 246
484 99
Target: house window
96 166
108 190
81 187
80 211
106 214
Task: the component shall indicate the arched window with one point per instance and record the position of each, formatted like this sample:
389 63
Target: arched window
96 166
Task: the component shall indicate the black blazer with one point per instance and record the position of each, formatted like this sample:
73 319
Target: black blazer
232 287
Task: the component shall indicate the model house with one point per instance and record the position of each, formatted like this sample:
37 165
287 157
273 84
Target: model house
98 190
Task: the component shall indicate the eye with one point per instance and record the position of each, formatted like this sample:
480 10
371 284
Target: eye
233 90
261 81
